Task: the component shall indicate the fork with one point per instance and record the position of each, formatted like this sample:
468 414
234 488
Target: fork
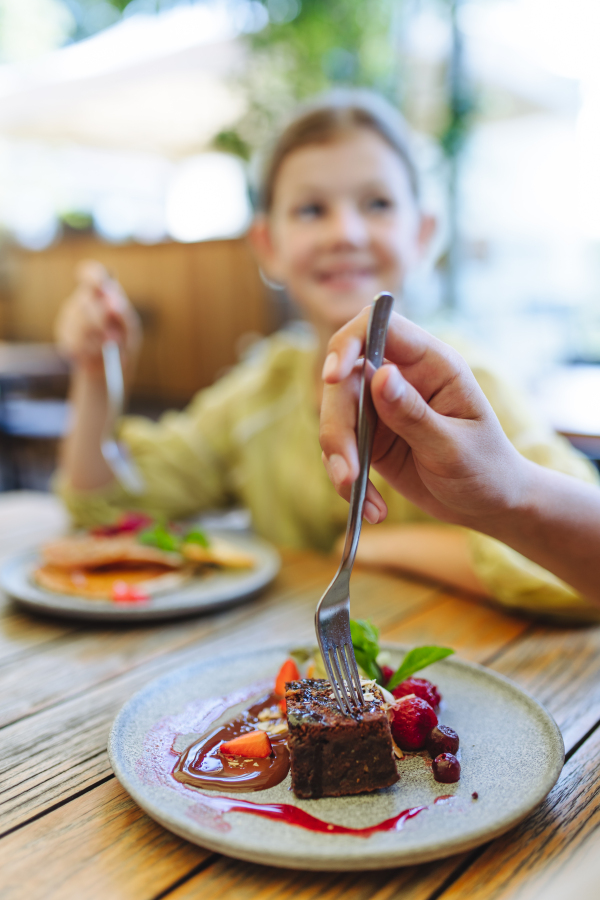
117 459
332 619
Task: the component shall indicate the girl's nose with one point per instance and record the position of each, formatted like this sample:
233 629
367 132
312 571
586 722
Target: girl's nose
347 226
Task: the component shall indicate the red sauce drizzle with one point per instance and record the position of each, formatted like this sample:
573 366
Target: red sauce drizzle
293 815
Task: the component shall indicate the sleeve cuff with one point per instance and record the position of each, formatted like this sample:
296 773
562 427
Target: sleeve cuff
520 584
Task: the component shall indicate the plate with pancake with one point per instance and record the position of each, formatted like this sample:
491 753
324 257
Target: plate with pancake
140 570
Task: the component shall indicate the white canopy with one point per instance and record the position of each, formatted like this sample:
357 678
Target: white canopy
158 84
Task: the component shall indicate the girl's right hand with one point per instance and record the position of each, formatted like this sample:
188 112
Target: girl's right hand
97 310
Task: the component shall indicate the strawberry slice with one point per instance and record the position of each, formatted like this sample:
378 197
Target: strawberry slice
128 593
253 745
288 672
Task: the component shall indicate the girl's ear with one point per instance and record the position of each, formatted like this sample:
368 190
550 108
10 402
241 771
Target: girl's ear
261 242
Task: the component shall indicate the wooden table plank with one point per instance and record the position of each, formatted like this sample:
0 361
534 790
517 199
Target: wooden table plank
476 630
100 846
237 880
560 666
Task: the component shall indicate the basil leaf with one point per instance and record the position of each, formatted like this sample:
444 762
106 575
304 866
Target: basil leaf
414 661
196 536
159 536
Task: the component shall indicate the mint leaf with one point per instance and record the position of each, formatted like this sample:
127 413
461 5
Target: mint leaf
365 640
415 660
160 536
196 536
368 665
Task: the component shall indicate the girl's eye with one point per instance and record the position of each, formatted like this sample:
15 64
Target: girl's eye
379 203
310 211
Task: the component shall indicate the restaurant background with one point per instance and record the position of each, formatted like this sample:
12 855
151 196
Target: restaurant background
128 133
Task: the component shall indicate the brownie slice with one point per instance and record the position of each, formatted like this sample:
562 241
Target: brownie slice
332 754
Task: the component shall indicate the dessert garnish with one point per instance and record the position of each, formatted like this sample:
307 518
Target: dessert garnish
252 744
421 687
412 720
446 768
442 740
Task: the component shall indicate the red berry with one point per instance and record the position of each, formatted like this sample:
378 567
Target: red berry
411 723
288 672
387 673
422 688
446 768
442 740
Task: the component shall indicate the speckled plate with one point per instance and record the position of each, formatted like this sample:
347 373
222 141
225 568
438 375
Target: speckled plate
512 753
218 588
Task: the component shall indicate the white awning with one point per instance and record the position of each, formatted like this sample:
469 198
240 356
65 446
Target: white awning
160 84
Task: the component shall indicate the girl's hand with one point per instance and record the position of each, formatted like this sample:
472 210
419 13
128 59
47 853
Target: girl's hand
96 311
438 441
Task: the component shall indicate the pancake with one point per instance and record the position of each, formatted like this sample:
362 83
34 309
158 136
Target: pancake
219 553
91 552
98 584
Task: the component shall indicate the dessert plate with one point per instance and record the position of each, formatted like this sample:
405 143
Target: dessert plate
217 588
512 753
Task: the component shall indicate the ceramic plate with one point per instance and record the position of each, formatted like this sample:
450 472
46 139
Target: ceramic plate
206 592
512 753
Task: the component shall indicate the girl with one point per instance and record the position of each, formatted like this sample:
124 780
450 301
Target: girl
338 221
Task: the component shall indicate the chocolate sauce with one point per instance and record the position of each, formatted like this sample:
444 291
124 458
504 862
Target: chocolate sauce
202 766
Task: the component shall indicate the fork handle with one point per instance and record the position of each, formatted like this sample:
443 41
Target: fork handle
367 421
115 386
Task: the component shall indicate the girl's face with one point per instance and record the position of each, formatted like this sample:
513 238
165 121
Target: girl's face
344 225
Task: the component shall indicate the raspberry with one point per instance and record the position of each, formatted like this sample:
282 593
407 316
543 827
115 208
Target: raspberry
387 673
422 688
442 740
411 721
446 768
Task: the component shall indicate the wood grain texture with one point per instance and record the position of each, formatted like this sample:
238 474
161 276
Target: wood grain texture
529 857
237 880
560 666
474 629
100 846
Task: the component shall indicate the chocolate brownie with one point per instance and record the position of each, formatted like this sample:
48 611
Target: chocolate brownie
332 754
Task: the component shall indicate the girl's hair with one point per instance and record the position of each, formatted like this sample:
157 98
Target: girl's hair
329 117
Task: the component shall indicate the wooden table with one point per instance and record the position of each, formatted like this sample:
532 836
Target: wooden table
69 830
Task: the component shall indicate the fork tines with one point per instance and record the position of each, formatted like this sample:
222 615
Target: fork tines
343 675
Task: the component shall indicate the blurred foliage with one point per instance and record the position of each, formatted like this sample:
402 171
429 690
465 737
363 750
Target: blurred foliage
310 45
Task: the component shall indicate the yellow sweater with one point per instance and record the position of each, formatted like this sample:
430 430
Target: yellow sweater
252 439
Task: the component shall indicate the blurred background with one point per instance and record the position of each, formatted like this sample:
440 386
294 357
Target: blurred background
127 134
